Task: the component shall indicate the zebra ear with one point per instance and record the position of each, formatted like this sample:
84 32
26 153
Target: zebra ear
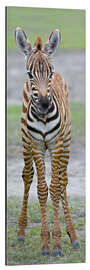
53 42
21 41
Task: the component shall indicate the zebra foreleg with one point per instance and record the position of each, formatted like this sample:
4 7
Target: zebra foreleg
45 234
54 193
42 189
27 176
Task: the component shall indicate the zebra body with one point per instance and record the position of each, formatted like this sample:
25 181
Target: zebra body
44 128
45 124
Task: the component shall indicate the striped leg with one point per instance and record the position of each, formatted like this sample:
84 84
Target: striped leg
54 193
63 178
56 154
27 178
42 196
69 223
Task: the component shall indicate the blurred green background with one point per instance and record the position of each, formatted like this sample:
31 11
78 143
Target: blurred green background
41 21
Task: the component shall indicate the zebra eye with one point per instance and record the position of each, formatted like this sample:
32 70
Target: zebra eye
35 95
50 75
30 74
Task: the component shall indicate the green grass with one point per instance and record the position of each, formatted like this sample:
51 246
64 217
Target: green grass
78 119
41 21
29 252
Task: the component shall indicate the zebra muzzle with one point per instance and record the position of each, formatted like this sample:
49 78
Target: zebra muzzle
44 104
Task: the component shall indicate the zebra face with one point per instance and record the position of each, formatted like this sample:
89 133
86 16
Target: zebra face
39 68
40 75
41 98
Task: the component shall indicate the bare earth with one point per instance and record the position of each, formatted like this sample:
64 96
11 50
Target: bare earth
71 65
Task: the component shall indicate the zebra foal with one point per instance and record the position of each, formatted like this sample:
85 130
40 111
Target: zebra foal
45 124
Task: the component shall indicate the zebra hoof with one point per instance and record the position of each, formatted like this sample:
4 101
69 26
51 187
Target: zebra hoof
57 253
45 252
20 239
76 244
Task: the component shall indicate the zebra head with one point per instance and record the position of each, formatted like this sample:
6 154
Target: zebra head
39 68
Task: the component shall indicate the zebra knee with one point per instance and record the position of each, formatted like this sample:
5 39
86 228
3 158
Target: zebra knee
27 175
42 193
54 192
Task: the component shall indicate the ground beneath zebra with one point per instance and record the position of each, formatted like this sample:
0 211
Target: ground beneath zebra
30 251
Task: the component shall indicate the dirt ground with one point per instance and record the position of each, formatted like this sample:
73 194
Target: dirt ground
71 65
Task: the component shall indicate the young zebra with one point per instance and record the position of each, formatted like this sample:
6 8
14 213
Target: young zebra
45 124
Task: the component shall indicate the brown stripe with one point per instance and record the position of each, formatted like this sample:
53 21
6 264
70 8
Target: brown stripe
25 96
27 86
23 131
23 121
24 109
67 140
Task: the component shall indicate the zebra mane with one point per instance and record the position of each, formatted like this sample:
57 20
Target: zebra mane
38 43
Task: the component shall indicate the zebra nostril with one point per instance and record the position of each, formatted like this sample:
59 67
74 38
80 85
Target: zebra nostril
44 102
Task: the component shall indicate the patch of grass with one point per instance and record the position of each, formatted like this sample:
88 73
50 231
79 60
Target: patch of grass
78 119
29 252
14 112
14 130
41 21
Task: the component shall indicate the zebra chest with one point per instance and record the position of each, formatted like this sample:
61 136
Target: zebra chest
43 131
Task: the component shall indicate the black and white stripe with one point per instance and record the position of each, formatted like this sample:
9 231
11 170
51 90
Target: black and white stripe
44 127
